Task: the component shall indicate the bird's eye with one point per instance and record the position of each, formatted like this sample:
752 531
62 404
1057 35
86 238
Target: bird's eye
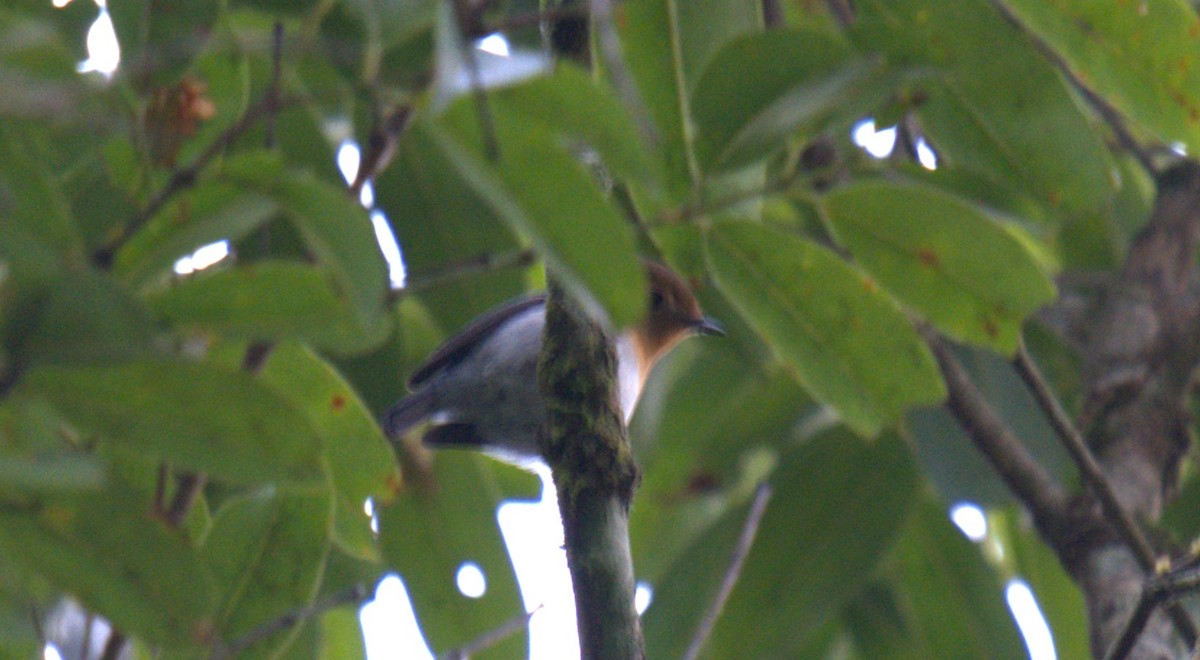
656 299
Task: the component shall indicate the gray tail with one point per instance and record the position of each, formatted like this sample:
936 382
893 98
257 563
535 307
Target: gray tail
407 413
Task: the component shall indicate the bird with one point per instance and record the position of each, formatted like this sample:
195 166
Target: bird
479 389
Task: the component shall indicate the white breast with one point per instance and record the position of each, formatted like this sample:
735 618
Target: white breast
629 381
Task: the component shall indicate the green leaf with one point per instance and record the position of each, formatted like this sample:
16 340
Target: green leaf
198 416
213 212
666 45
1058 596
105 550
270 300
266 552
1138 56
759 89
962 270
847 342
360 459
700 443
571 104
84 317
838 502
1000 108
159 41
447 519
340 635
35 458
544 194
442 221
953 600
341 236
32 196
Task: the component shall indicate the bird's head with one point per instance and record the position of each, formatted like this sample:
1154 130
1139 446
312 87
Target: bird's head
673 315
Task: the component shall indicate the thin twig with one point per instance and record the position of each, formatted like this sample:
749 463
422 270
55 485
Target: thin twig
191 484
609 44
772 14
353 595
842 11
114 645
381 146
85 646
1111 115
483 263
1156 590
492 637
487 124
1149 599
695 209
186 177
1023 475
533 19
1094 475
745 541
276 84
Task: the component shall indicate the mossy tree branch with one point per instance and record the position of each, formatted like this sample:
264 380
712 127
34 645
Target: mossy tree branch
587 447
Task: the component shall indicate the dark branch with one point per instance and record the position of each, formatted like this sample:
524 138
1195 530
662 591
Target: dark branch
483 263
1093 473
186 177
1023 475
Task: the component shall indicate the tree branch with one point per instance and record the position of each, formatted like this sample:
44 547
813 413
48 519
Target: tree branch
1139 361
1093 474
1023 475
586 445
185 178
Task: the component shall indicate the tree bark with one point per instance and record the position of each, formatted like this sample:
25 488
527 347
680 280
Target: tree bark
1141 356
587 447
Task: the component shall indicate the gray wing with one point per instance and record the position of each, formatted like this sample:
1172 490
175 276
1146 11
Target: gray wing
458 346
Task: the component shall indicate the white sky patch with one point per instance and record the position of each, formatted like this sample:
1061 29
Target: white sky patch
366 196
202 258
348 157
642 597
470 580
495 44
970 519
878 143
50 651
389 626
390 248
926 155
104 54
1030 621
533 534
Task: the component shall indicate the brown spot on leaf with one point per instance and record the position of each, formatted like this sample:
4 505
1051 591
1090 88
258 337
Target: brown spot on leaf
337 403
702 482
870 285
991 328
928 258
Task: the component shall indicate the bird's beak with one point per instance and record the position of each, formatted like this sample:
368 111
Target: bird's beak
708 326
